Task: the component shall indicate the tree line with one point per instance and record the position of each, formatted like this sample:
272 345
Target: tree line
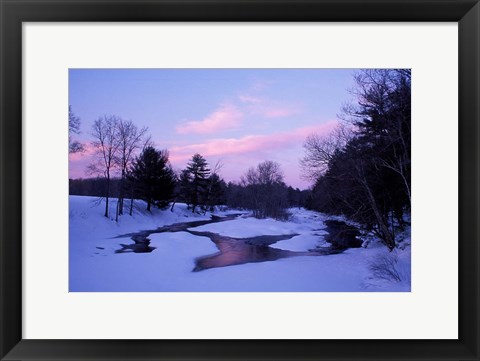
127 166
151 179
362 169
263 191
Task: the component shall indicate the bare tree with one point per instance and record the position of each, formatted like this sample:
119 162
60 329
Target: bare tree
130 139
319 150
106 144
74 146
269 172
265 190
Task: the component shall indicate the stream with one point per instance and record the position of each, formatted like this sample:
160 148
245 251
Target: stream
235 251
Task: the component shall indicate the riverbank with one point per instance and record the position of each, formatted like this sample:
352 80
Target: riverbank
94 265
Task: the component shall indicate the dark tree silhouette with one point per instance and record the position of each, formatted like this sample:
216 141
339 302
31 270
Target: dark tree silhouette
216 192
153 178
368 178
74 146
194 180
130 139
264 190
105 135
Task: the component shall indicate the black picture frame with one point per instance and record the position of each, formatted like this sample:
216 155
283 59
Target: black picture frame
14 12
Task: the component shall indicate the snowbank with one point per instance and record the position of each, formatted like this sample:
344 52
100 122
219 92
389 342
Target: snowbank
94 265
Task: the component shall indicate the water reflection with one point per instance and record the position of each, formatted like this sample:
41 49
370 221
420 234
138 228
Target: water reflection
235 251
341 235
141 245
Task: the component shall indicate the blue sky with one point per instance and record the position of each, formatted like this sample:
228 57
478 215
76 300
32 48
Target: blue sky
238 116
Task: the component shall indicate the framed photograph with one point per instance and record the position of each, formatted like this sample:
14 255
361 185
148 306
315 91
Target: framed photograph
240 180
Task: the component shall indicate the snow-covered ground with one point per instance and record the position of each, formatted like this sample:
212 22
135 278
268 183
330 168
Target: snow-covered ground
94 265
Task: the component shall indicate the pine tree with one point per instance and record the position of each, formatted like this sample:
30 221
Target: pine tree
216 192
153 178
185 186
199 173
367 179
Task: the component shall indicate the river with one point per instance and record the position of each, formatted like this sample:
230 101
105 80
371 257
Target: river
235 251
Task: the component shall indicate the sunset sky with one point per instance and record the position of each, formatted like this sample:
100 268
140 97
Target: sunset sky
238 116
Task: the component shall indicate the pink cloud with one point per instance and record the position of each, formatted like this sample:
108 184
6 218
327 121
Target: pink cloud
267 108
228 116
249 143
250 99
78 162
87 152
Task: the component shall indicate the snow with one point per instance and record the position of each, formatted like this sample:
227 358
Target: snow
301 243
300 224
169 267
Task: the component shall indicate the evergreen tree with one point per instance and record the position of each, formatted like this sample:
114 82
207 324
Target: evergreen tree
368 178
153 178
216 192
185 188
198 172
